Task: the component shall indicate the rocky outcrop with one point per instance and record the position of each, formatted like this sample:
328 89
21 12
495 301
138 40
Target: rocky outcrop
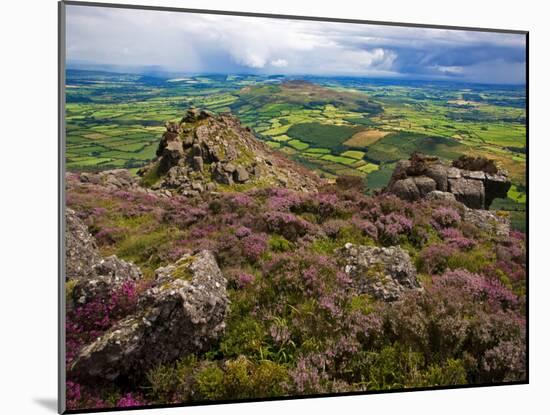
81 252
183 313
421 175
203 151
384 273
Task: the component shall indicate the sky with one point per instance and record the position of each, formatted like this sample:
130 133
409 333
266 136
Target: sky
200 43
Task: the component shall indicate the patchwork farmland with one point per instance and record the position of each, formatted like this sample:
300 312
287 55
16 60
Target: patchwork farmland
335 126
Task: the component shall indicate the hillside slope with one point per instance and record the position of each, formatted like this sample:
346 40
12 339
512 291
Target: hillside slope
227 272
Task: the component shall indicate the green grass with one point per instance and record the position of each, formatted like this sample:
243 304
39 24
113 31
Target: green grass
354 154
280 138
321 135
401 145
380 178
297 144
517 195
339 159
368 168
319 150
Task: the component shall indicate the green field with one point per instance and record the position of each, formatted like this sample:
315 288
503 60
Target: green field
116 120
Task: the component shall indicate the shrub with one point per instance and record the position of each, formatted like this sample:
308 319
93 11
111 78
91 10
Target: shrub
240 378
437 258
242 231
253 246
77 397
129 400
243 336
245 279
209 380
307 379
463 316
445 217
332 227
392 226
452 372
393 368
366 227
173 382
283 200
286 224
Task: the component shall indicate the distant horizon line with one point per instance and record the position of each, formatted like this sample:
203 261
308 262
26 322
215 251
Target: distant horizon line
157 71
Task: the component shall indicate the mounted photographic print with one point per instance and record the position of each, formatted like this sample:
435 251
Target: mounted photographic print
258 207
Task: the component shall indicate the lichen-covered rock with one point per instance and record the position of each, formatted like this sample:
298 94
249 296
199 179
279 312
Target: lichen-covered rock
419 176
81 252
183 313
385 273
104 277
488 221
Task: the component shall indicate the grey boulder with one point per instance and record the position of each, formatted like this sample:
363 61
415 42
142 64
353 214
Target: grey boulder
384 273
183 313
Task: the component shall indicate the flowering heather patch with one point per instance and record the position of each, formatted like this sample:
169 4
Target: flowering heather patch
286 224
245 279
108 236
483 289
434 258
241 200
242 231
129 400
254 245
366 227
204 231
308 379
333 226
89 321
283 199
78 397
324 205
124 300
392 226
296 325
463 316
464 244
450 233
183 218
445 217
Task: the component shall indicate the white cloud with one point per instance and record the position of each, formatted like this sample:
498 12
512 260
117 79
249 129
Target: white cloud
189 42
279 63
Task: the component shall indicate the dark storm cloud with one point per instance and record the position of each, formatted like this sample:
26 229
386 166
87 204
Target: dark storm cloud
186 42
